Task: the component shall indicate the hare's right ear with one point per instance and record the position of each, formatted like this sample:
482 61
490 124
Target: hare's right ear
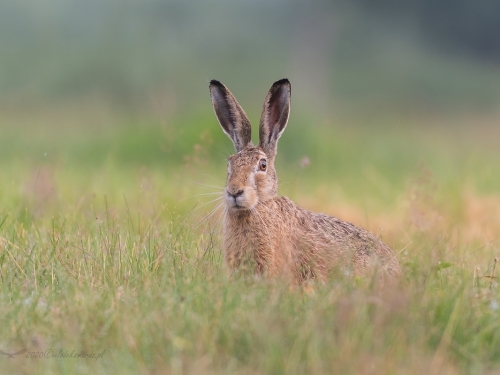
274 116
232 118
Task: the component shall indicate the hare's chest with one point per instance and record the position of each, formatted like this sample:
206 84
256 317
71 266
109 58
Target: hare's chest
248 234
238 235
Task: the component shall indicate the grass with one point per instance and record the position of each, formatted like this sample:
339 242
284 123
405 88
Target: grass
101 251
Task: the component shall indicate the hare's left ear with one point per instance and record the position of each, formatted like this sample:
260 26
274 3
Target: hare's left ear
232 118
274 116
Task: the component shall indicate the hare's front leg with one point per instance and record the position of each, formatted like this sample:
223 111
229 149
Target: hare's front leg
263 261
237 257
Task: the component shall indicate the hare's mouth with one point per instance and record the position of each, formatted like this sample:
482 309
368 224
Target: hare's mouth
237 204
235 207
233 204
240 200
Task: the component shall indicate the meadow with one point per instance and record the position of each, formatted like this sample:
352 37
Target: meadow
109 246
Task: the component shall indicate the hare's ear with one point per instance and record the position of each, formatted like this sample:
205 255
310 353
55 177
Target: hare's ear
232 118
274 116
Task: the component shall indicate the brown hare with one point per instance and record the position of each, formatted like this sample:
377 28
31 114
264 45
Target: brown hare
272 232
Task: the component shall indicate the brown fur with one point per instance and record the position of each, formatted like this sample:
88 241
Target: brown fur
272 233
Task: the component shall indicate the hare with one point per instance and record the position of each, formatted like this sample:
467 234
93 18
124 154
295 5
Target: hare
277 236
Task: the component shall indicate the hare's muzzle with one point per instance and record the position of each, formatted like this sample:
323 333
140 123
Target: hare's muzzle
236 198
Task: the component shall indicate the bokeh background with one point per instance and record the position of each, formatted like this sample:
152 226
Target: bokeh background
381 91
414 55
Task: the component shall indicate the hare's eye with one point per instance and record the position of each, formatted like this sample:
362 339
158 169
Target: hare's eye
262 164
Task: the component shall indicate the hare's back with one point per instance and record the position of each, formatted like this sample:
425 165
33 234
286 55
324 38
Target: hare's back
341 241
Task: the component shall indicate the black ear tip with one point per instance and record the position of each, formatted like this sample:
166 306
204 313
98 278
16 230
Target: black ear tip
283 81
214 82
283 86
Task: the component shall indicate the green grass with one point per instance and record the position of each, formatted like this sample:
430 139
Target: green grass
101 251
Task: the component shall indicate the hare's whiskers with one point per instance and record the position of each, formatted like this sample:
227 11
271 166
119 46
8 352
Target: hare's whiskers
213 200
200 195
216 223
208 216
203 205
209 175
209 186
217 227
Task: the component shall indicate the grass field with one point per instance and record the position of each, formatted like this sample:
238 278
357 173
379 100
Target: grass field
106 248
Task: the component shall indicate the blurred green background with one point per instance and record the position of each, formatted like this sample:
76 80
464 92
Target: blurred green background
378 89
411 55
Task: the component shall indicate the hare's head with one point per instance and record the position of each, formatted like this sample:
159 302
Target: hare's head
251 177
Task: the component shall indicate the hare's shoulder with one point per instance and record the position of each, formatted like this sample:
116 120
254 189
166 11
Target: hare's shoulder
315 219
328 232
320 222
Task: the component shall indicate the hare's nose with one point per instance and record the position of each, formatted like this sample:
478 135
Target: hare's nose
235 195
